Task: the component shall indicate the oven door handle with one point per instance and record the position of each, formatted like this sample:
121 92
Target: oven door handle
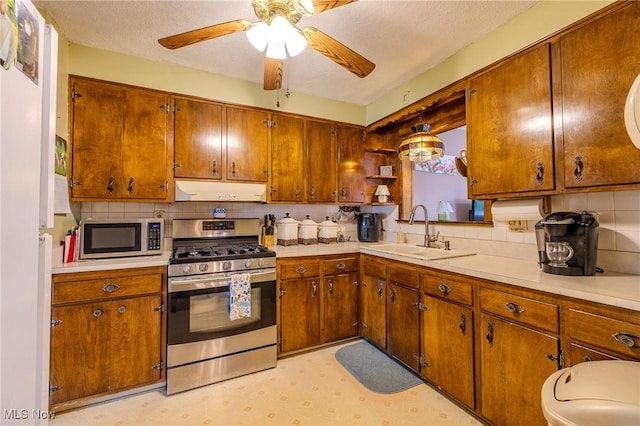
200 282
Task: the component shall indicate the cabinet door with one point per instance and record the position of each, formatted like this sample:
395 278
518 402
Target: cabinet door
514 363
510 127
599 63
247 145
350 166
287 158
135 337
197 139
299 314
144 145
447 348
373 310
96 139
403 324
79 364
322 161
340 305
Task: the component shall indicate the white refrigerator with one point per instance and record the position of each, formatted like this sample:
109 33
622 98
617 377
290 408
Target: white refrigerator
27 144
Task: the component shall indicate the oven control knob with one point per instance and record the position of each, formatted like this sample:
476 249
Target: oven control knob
226 265
248 263
260 262
186 269
203 267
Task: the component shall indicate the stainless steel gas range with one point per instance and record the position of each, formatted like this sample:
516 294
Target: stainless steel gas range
205 342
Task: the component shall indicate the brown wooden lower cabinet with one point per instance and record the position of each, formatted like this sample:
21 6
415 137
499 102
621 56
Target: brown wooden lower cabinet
403 324
373 300
107 333
318 300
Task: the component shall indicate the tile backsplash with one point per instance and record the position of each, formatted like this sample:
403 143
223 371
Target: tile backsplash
618 213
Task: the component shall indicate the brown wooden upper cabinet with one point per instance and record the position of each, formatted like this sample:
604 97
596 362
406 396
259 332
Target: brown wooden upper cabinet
247 144
351 164
322 161
598 62
118 141
197 139
509 127
287 158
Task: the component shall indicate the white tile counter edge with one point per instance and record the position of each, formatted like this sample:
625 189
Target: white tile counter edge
616 289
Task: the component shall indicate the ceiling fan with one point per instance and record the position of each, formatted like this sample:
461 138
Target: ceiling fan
276 34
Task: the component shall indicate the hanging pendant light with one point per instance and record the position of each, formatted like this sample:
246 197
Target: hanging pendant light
421 145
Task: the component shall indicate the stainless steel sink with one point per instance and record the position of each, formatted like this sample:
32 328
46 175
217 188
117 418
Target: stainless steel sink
419 252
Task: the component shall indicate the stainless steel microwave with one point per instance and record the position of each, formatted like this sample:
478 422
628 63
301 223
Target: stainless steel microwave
106 238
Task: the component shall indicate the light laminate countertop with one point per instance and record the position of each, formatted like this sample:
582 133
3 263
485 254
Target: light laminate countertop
611 288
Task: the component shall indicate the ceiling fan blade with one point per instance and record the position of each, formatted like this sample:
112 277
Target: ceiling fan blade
338 52
273 73
203 34
320 6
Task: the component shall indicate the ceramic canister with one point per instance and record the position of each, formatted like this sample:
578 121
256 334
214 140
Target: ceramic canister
287 231
308 232
327 231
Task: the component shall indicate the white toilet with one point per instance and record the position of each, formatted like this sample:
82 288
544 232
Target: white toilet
593 393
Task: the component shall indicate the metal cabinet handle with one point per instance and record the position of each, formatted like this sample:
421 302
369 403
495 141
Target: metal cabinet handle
344 192
625 339
301 270
313 192
130 187
331 286
579 168
514 308
110 288
341 266
463 323
110 185
298 192
122 309
213 168
540 173
380 288
314 288
393 295
97 313
444 289
489 335
233 168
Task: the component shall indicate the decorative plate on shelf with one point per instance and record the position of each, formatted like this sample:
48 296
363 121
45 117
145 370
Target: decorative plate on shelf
632 113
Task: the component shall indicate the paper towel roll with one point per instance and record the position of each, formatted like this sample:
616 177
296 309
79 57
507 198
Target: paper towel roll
506 210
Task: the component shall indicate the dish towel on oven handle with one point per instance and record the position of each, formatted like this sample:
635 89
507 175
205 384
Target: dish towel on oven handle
239 296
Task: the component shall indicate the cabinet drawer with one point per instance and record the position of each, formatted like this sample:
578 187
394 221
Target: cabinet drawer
524 310
374 267
298 269
340 266
404 275
607 333
578 354
105 288
447 286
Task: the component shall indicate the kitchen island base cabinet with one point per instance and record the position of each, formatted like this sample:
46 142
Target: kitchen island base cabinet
107 333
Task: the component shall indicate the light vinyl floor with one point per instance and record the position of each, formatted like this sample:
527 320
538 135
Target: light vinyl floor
307 389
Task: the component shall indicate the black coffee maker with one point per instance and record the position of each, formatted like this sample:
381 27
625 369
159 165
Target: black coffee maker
568 243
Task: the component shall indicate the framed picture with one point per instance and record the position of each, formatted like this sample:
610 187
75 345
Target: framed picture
386 170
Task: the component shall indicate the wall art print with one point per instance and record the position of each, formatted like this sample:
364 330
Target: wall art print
444 165
8 33
28 41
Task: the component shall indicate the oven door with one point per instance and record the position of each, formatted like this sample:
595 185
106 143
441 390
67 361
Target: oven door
198 307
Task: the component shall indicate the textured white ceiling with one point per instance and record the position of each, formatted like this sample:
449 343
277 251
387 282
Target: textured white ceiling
403 38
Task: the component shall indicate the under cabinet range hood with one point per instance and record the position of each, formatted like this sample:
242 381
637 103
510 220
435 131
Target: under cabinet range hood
188 190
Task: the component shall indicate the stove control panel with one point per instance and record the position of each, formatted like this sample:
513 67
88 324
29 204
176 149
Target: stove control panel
217 225
235 265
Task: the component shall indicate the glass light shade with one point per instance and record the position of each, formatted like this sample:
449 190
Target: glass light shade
276 51
258 35
295 42
279 30
307 5
421 145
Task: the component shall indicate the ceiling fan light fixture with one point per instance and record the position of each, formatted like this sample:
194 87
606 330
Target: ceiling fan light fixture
307 6
276 51
421 145
258 35
295 42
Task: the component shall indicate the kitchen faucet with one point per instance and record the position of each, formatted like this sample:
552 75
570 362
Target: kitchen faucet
428 239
